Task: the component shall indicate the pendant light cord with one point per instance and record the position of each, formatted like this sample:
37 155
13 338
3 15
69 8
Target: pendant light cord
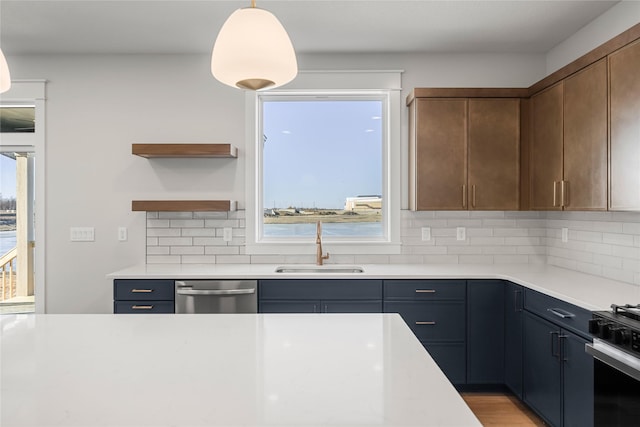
253 3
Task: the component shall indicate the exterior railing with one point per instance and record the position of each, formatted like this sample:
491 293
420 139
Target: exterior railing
8 263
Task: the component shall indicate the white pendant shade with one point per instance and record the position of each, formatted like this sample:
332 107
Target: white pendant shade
5 77
253 51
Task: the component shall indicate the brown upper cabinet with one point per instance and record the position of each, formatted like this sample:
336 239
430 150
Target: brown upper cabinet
569 143
464 153
624 87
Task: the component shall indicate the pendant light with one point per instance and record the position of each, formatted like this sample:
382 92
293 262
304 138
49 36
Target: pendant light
5 77
253 51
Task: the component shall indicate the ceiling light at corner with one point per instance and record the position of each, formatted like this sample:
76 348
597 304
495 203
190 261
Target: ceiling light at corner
5 77
253 51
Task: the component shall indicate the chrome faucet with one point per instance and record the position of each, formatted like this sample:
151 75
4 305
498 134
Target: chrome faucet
319 257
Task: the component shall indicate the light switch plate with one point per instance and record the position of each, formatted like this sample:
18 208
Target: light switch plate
82 234
461 233
426 233
565 234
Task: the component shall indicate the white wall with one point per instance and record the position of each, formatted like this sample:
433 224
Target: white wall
614 21
98 105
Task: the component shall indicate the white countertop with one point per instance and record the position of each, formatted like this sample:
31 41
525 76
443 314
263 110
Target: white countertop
583 290
221 370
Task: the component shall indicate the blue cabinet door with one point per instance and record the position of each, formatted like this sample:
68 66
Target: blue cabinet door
542 368
513 315
351 306
485 332
289 306
577 376
450 358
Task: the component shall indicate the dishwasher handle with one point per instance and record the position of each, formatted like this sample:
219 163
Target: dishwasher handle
191 291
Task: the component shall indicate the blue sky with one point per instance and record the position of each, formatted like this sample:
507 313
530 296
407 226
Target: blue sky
318 153
7 177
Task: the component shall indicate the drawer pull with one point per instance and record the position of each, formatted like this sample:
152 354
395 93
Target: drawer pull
425 291
141 291
142 307
425 323
561 313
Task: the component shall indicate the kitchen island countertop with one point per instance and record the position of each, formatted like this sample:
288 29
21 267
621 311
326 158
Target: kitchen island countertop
584 290
221 370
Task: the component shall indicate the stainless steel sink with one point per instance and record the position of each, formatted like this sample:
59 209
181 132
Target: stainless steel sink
336 269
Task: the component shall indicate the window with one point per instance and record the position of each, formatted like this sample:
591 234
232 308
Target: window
322 160
323 155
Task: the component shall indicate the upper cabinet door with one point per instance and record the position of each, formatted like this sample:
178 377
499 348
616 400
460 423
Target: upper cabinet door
494 154
440 154
546 149
624 92
585 139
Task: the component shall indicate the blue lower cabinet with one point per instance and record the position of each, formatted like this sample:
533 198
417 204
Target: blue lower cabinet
513 341
451 359
436 312
577 379
320 296
542 368
143 296
485 332
289 306
121 307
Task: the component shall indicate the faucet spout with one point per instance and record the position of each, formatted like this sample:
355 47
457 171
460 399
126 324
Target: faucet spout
319 257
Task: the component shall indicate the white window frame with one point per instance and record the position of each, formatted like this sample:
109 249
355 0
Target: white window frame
351 84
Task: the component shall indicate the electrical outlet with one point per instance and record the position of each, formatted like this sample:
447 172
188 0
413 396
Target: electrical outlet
227 234
426 233
122 234
565 234
461 233
82 234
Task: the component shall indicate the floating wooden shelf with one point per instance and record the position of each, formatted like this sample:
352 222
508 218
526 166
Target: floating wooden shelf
183 205
184 150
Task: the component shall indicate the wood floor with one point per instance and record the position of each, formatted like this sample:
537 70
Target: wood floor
500 410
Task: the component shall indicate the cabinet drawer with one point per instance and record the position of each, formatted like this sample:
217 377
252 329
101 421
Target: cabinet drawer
143 290
559 312
451 359
432 321
338 289
431 290
141 307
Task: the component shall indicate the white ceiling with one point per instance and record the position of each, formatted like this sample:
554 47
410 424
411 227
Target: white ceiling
188 26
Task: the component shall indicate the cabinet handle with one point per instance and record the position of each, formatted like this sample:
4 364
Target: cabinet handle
554 194
326 310
426 323
425 291
315 310
141 291
464 196
564 193
141 307
551 334
561 313
473 196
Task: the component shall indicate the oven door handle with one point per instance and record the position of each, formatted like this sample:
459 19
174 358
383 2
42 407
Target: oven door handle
614 360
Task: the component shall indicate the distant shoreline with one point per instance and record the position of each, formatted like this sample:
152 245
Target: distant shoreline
326 216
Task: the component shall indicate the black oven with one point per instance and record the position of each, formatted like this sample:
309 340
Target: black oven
616 353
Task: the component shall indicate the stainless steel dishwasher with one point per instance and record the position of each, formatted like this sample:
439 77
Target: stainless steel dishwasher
217 296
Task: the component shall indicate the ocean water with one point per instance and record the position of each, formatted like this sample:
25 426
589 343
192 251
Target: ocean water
358 229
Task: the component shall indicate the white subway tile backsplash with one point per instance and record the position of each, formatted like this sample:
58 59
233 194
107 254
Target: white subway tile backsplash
601 243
